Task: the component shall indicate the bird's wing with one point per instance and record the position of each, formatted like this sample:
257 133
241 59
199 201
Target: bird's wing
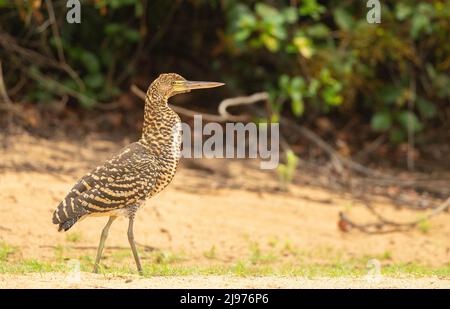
124 180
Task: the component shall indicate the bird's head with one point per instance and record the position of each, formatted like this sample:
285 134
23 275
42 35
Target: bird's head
170 84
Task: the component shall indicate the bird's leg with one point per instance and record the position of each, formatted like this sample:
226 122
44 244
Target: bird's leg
133 245
102 242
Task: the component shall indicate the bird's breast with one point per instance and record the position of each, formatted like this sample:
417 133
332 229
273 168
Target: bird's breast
167 153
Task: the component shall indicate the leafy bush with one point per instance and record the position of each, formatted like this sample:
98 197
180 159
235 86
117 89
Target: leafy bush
313 57
322 58
100 49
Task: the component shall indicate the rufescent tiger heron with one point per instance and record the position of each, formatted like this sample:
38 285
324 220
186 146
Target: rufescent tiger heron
120 186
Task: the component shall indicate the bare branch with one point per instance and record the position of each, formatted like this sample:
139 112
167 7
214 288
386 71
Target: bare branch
244 100
55 30
56 86
3 91
385 225
10 44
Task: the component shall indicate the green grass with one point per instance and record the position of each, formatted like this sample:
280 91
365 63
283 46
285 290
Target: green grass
160 257
424 226
59 253
240 268
5 251
30 266
211 253
258 257
387 255
322 262
74 237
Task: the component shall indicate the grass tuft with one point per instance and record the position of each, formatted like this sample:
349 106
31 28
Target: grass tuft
424 226
5 251
74 237
258 257
211 253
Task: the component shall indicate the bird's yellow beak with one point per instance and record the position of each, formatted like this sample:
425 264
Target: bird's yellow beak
192 85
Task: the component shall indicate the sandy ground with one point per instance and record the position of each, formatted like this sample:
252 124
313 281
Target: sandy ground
220 204
88 280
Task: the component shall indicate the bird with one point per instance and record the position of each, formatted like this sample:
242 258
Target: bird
120 186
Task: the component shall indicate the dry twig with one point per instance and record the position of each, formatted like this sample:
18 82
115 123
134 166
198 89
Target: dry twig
8 106
9 44
3 91
384 225
238 101
55 30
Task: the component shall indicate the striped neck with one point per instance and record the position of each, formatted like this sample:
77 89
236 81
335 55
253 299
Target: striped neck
160 125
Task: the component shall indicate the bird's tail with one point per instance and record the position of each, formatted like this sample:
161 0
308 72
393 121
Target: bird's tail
67 214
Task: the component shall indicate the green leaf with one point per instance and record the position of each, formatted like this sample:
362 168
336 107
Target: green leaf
409 121
325 76
113 29
425 9
6 4
266 11
115 4
94 81
138 9
402 11
290 15
87 102
282 171
278 32
90 61
304 46
270 42
291 159
297 105
297 83
242 35
275 118
420 23
381 121
70 83
319 31
313 87
343 19
42 96
106 57
284 82
132 35
311 8
389 94
426 108
331 96
397 136
247 21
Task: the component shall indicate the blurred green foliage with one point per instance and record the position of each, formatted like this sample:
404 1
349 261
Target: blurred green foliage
313 57
286 172
327 56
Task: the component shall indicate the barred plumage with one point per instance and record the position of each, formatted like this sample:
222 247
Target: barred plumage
140 170
123 181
